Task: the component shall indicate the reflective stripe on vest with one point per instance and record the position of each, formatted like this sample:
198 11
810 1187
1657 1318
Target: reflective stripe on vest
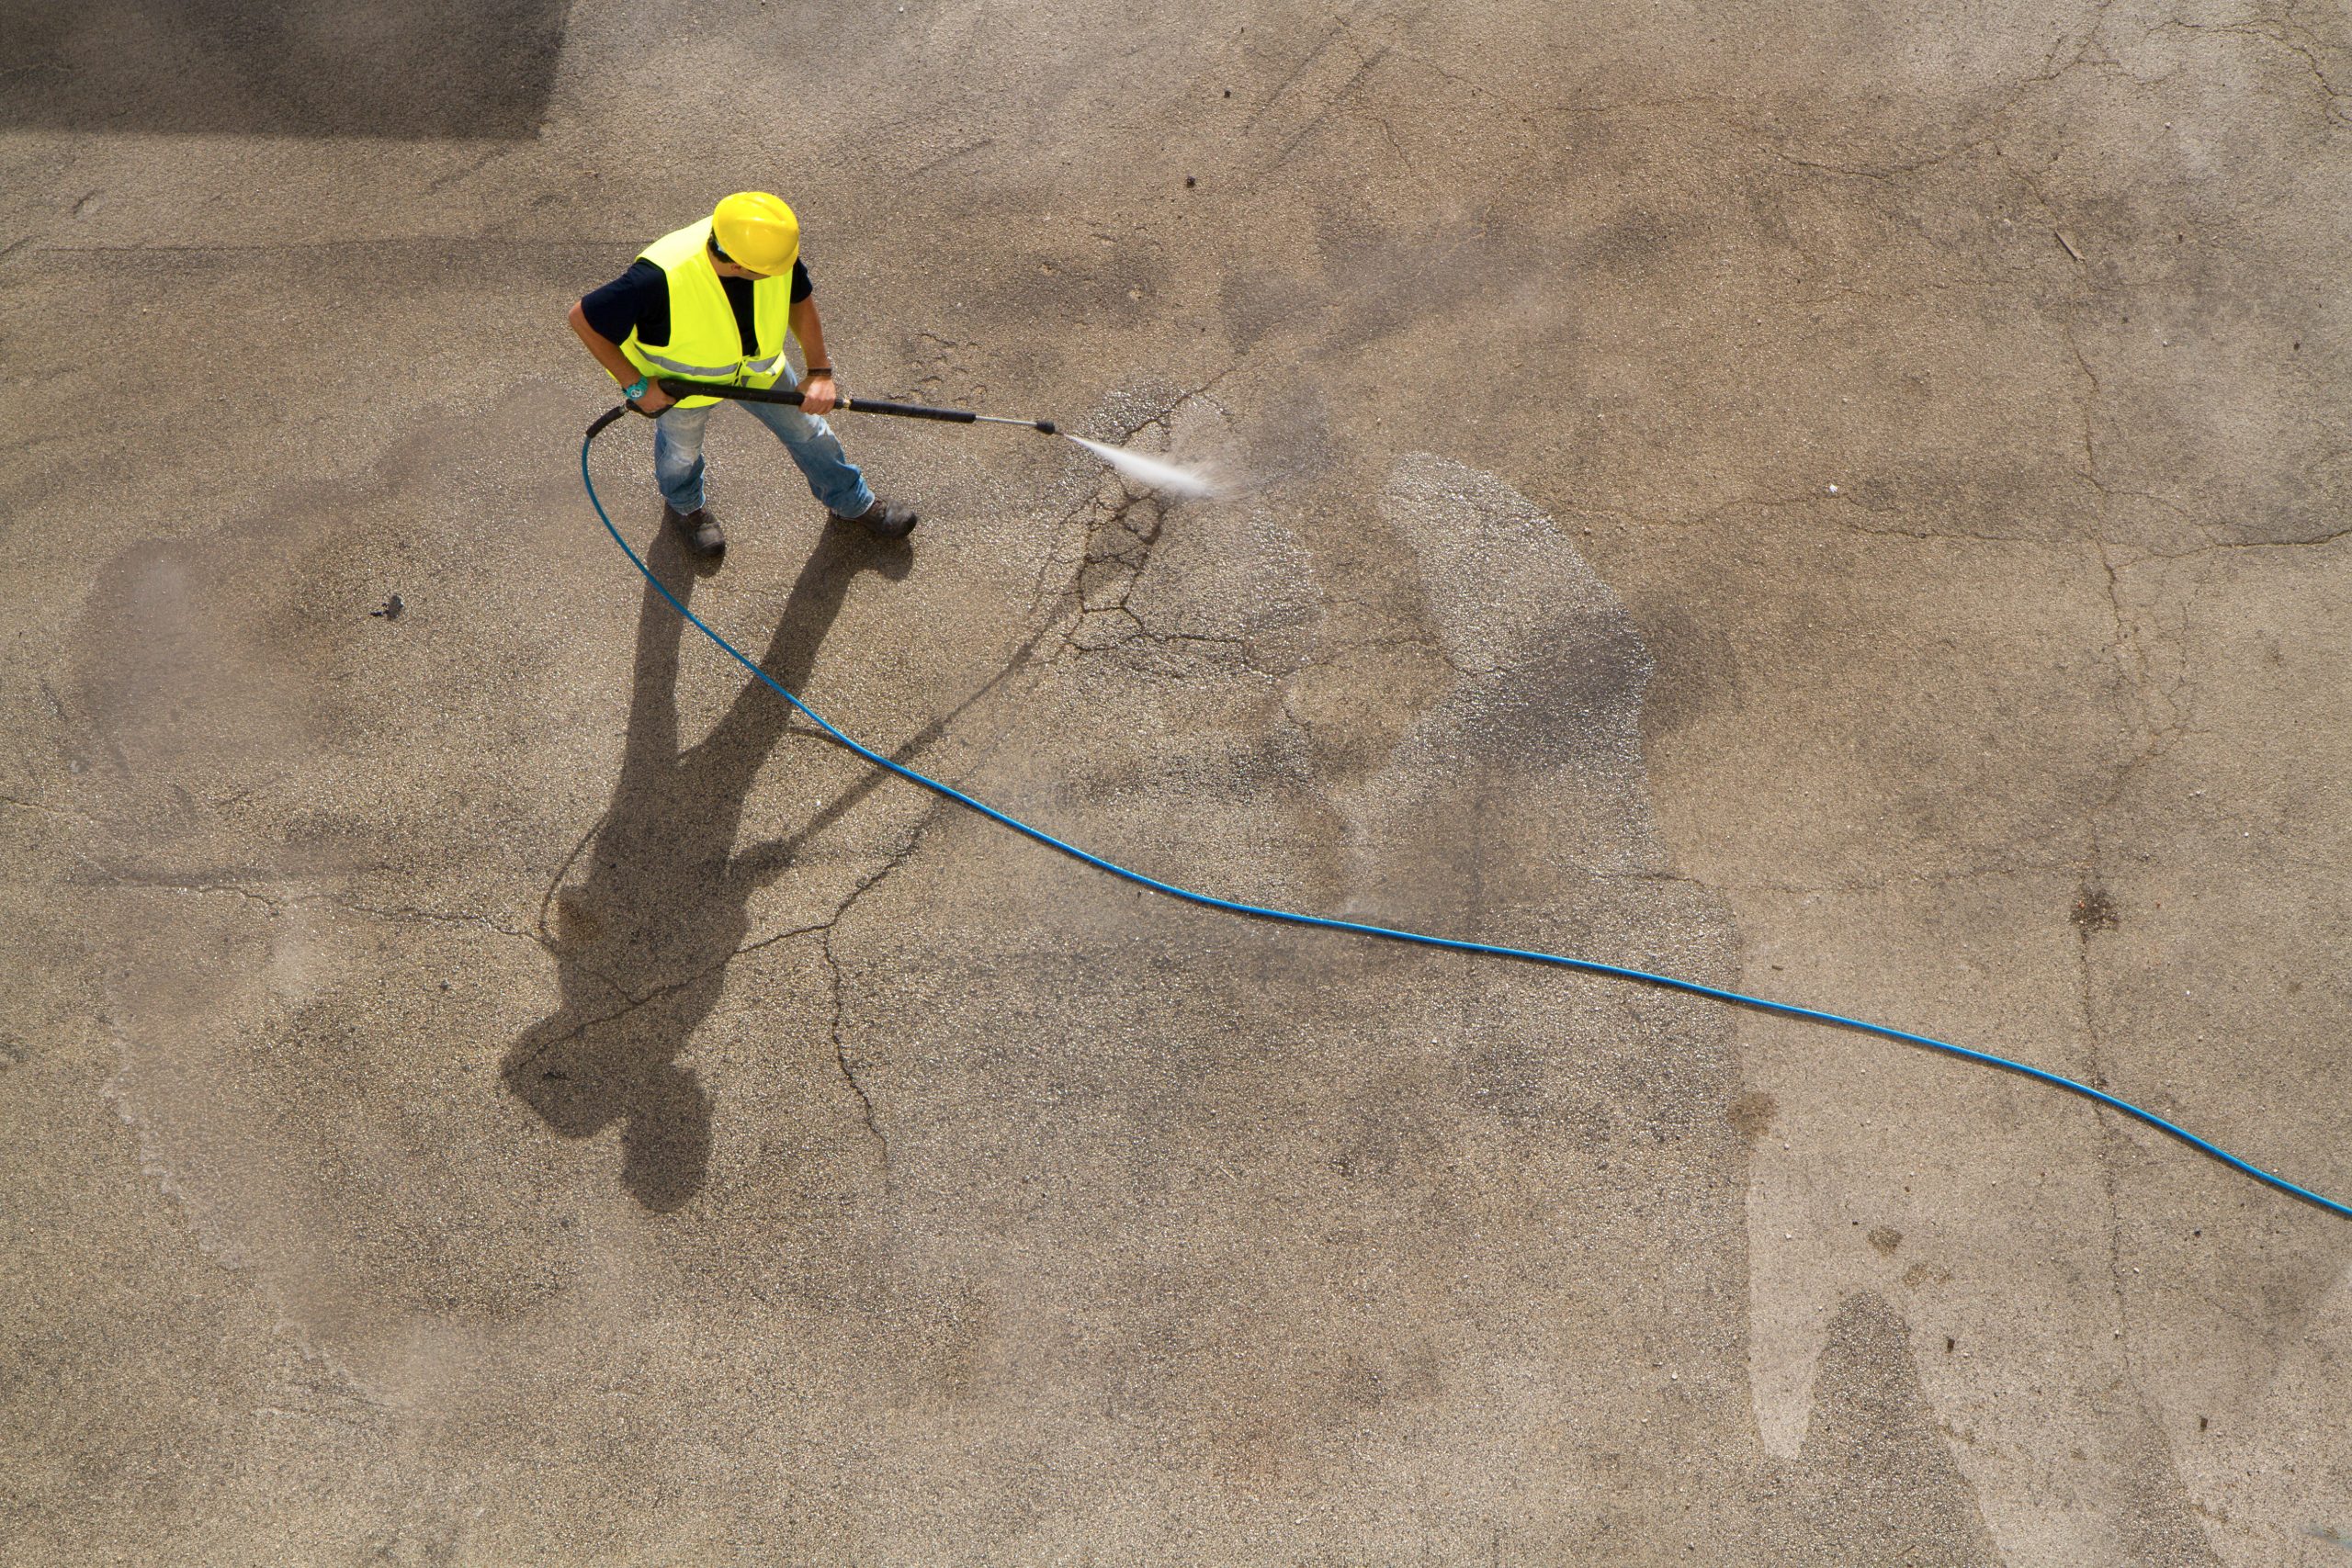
705 343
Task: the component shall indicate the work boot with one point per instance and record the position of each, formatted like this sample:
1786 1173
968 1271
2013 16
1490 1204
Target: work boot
699 529
884 520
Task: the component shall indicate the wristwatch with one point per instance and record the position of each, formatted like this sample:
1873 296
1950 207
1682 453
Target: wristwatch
636 388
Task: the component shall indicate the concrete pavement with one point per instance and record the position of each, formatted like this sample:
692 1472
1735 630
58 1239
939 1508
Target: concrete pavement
1849 505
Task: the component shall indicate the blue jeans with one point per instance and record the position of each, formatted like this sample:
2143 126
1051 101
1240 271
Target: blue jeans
832 477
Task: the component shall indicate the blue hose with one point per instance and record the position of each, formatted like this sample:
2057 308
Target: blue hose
1450 944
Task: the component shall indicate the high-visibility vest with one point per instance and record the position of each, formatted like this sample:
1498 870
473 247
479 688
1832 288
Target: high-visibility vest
705 344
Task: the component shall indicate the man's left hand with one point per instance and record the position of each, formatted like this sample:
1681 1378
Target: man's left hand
818 395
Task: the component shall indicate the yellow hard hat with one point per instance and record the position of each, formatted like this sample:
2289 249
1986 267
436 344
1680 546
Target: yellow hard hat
757 231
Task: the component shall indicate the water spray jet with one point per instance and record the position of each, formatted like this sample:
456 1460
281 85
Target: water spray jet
1153 472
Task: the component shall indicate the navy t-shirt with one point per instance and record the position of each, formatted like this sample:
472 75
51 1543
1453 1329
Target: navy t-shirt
639 300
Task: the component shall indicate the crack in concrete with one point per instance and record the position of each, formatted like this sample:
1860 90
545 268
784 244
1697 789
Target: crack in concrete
1042 599
2112 1140
1119 567
839 983
1105 560
280 905
178 881
1167 412
2155 713
2321 542
667 988
2087 407
44 809
406 914
1475 89
1888 173
1339 95
1948 535
944 159
1983 128
1331 35
2336 109
631 1002
2132 658
1021 658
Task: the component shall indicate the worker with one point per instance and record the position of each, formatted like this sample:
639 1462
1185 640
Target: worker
713 303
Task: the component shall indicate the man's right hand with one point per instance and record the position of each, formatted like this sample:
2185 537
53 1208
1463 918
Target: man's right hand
653 400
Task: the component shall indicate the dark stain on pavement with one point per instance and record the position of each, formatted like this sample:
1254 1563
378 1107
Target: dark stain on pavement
1752 1115
410 68
2093 910
643 941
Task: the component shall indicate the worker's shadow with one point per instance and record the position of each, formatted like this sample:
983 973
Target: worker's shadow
641 942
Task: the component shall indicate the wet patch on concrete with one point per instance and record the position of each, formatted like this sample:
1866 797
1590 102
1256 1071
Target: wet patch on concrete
1880 1483
1288 1214
1752 1114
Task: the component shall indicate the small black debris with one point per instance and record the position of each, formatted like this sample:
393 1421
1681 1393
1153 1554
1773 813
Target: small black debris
391 610
1190 182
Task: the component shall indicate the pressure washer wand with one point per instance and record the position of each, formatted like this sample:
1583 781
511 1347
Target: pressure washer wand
681 389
